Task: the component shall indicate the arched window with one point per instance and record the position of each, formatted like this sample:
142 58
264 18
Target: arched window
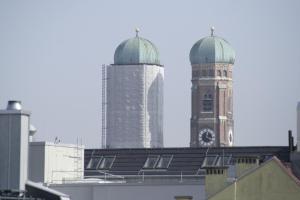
219 73
207 103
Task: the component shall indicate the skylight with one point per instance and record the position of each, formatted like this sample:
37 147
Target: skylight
151 162
93 163
164 161
106 162
103 162
158 162
209 161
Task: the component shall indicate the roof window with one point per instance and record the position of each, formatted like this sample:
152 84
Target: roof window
224 160
106 162
94 162
103 162
151 162
209 161
158 162
164 161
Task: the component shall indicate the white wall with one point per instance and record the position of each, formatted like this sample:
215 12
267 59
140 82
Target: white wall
14 134
55 163
131 191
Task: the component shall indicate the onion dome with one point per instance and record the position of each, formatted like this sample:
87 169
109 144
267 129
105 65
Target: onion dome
212 49
136 51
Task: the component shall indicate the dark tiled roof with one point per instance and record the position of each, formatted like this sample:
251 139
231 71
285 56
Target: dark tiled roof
186 161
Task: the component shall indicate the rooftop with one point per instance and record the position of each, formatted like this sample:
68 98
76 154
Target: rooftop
173 161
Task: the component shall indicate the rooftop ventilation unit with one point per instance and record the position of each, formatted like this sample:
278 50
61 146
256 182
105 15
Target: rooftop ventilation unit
14 105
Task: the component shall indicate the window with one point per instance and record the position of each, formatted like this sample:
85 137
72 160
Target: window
151 162
103 162
93 163
225 73
158 162
106 162
224 160
219 73
164 161
209 161
211 73
204 73
207 103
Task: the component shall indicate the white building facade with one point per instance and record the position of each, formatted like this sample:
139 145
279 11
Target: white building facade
165 189
55 163
134 97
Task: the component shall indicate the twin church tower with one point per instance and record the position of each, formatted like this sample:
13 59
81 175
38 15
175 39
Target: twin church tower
132 101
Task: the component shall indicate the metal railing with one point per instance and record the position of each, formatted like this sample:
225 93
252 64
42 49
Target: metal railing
98 176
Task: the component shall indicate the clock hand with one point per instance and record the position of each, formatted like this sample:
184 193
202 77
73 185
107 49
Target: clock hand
209 136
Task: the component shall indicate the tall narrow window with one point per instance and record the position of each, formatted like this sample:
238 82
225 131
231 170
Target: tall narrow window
225 73
207 103
219 73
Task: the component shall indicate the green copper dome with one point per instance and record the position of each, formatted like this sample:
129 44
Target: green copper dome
136 50
212 49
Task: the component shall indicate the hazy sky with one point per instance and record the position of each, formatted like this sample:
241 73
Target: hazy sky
51 54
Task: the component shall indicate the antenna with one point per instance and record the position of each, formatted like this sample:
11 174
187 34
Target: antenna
137 30
212 29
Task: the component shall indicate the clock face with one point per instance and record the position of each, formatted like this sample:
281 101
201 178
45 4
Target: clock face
206 137
230 137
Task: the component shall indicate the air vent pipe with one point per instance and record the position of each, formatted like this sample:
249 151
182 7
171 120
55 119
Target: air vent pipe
14 105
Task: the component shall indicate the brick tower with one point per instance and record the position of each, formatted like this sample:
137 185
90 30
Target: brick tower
212 60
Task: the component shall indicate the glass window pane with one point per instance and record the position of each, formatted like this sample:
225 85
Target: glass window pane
93 163
209 161
164 161
207 102
224 160
106 163
150 162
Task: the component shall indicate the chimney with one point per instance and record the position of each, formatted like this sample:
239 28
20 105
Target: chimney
291 142
14 133
14 105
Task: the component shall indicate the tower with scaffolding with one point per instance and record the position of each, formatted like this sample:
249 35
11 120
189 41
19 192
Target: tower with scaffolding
132 96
